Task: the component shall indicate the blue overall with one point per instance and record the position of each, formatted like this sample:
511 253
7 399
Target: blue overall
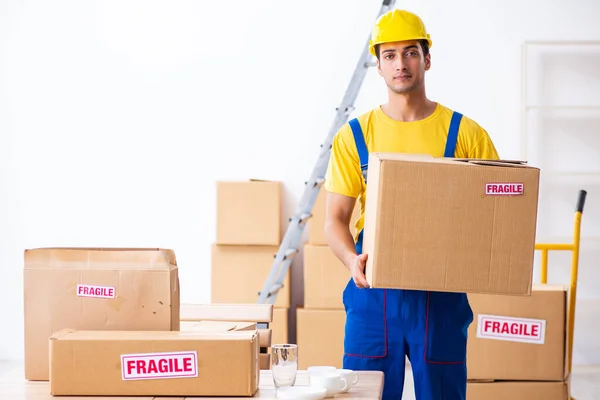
383 326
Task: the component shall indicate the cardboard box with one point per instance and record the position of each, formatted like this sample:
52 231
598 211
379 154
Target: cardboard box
265 361
95 289
239 273
325 278
120 363
249 212
517 391
316 224
279 326
519 338
320 337
450 225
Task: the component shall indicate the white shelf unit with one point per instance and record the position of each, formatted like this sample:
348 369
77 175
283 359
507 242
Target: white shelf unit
560 117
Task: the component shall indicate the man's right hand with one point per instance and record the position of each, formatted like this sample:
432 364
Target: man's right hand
340 240
356 266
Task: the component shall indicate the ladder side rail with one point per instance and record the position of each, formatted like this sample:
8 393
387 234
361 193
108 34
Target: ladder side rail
292 238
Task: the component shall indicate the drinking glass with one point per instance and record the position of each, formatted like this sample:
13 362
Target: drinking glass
284 364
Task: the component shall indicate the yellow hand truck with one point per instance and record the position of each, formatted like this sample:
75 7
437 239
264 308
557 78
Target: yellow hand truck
574 249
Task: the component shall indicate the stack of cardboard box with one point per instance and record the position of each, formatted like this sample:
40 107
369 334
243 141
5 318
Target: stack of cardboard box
95 289
106 322
517 346
320 323
249 232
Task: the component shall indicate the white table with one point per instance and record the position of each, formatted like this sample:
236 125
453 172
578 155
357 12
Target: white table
13 386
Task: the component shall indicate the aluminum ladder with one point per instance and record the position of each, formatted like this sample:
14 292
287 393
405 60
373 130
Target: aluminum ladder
292 239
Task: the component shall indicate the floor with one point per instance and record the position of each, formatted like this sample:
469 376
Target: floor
585 382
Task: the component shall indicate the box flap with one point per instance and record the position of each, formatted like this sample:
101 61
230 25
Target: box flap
100 258
226 312
497 163
542 287
216 326
152 335
426 158
488 160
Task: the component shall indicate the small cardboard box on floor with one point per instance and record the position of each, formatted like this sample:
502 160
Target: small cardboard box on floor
230 317
517 391
450 225
320 337
325 278
519 338
121 363
279 325
95 289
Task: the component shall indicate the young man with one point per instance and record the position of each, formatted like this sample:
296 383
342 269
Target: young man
385 326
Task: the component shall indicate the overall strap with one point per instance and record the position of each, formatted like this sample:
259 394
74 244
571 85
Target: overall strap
452 134
361 146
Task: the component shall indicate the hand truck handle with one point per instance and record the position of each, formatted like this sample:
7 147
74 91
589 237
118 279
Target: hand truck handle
581 201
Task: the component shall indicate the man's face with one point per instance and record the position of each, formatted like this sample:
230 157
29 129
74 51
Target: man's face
402 65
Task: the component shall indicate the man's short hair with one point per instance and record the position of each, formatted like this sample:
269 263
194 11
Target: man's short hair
424 47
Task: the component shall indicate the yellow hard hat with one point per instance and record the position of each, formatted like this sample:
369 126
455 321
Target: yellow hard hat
397 26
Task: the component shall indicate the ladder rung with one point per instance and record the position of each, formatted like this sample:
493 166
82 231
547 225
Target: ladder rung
274 289
289 253
317 182
348 110
304 217
370 64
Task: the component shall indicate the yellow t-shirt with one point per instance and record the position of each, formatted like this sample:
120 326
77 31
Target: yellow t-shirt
384 134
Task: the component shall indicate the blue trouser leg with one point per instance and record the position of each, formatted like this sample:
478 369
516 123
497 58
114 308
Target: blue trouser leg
374 338
383 326
436 334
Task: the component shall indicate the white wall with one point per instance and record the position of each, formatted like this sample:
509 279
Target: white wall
117 117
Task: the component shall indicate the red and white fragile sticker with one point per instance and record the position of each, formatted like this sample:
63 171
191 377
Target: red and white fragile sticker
181 364
511 329
101 292
504 189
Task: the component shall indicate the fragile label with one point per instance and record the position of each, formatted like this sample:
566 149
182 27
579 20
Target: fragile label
511 329
102 292
504 189
183 364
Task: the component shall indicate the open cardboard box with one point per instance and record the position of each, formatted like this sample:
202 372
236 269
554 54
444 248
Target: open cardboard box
231 317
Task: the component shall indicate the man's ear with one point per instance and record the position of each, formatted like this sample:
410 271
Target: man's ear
427 61
378 67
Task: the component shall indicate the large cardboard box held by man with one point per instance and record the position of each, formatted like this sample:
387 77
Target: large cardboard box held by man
120 363
519 338
95 289
450 225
